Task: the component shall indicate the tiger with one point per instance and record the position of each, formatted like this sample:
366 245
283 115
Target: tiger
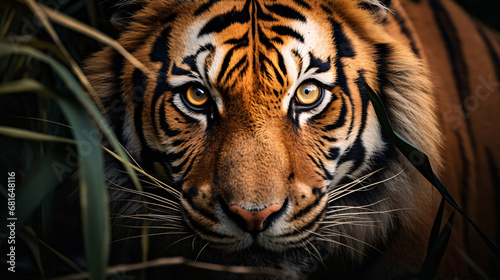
257 124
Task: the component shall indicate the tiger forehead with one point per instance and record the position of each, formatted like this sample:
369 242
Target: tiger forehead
254 45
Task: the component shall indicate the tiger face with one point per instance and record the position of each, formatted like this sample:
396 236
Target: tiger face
258 116
257 119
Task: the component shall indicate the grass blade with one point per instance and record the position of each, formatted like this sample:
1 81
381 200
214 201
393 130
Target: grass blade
73 85
93 194
421 162
436 252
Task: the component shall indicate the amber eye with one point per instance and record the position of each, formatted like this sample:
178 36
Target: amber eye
308 93
196 96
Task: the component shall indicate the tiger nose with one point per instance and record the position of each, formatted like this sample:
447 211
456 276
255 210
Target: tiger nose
254 220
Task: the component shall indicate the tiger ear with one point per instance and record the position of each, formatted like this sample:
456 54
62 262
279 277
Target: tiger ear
122 12
378 8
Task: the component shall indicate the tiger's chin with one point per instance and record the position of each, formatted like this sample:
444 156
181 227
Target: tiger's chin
260 242
296 263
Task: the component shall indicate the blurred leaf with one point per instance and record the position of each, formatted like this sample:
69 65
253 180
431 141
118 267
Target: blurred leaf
31 135
29 237
50 170
6 20
472 265
73 85
93 194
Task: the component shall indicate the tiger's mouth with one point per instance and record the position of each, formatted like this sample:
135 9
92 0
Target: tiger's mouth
266 228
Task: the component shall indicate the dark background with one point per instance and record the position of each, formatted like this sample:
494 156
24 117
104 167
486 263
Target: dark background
486 10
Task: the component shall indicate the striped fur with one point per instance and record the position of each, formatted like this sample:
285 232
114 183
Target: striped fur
348 199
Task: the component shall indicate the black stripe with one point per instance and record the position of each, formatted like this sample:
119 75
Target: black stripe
382 52
299 58
495 180
178 142
191 60
148 156
205 7
342 42
163 121
465 174
341 120
208 232
308 208
221 22
263 39
329 139
322 66
176 169
357 152
239 41
286 12
344 49
261 15
287 31
333 153
326 9
457 60
139 88
491 50
177 155
190 166
188 197
225 62
160 53
177 71
263 60
454 48
243 70
302 3
326 174
407 32
242 61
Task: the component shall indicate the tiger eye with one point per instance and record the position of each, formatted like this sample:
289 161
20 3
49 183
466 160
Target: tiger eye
307 93
196 96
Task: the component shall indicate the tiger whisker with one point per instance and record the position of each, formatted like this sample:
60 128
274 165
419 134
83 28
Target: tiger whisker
150 234
199 253
153 227
164 207
362 207
336 234
317 255
151 217
368 212
335 195
158 182
361 224
320 238
148 195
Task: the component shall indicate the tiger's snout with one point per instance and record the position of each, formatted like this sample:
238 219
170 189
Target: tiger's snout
255 220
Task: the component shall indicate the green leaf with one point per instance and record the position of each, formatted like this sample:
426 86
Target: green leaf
436 226
436 251
34 136
74 86
422 164
29 237
93 193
